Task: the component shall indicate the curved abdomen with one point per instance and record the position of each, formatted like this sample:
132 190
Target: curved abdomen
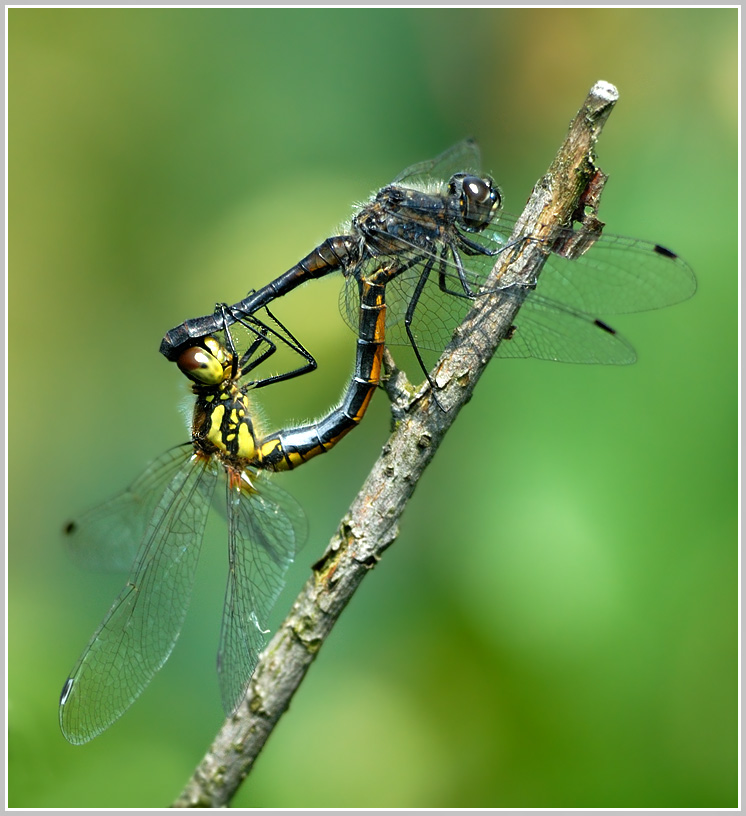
285 450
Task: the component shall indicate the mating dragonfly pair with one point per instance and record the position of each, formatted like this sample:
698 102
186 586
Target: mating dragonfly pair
414 260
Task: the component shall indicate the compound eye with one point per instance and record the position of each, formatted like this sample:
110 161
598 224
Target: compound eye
476 189
479 199
201 366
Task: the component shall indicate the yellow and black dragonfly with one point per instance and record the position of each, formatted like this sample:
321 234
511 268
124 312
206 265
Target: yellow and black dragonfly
437 229
162 518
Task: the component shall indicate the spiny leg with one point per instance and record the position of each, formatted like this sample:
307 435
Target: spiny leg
295 345
411 306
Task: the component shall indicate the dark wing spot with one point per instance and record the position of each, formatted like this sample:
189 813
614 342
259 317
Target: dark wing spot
605 326
661 250
69 528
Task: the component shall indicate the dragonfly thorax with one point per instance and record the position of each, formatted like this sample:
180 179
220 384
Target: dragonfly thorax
222 426
399 220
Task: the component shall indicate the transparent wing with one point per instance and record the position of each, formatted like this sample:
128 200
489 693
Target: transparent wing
137 635
106 538
266 529
436 315
616 276
461 157
559 320
546 333
543 330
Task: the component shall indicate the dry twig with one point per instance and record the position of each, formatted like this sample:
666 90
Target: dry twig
568 191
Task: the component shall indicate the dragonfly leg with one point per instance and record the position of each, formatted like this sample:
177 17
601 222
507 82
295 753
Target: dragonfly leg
411 306
467 292
263 336
473 248
293 343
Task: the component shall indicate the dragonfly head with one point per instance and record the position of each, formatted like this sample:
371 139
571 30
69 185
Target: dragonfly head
207 364
478 200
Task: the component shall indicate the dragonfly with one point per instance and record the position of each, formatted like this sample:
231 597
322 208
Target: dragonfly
161 517
438 229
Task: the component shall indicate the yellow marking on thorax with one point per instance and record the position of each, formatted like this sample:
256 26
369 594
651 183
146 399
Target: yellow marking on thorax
214 434
230 429
246 445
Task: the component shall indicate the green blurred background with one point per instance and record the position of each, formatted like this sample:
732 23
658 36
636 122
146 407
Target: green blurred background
557 624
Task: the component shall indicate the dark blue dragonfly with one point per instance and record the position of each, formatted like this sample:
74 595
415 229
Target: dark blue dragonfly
438 228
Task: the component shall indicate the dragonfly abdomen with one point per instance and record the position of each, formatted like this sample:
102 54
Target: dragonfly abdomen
333 254
285 450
